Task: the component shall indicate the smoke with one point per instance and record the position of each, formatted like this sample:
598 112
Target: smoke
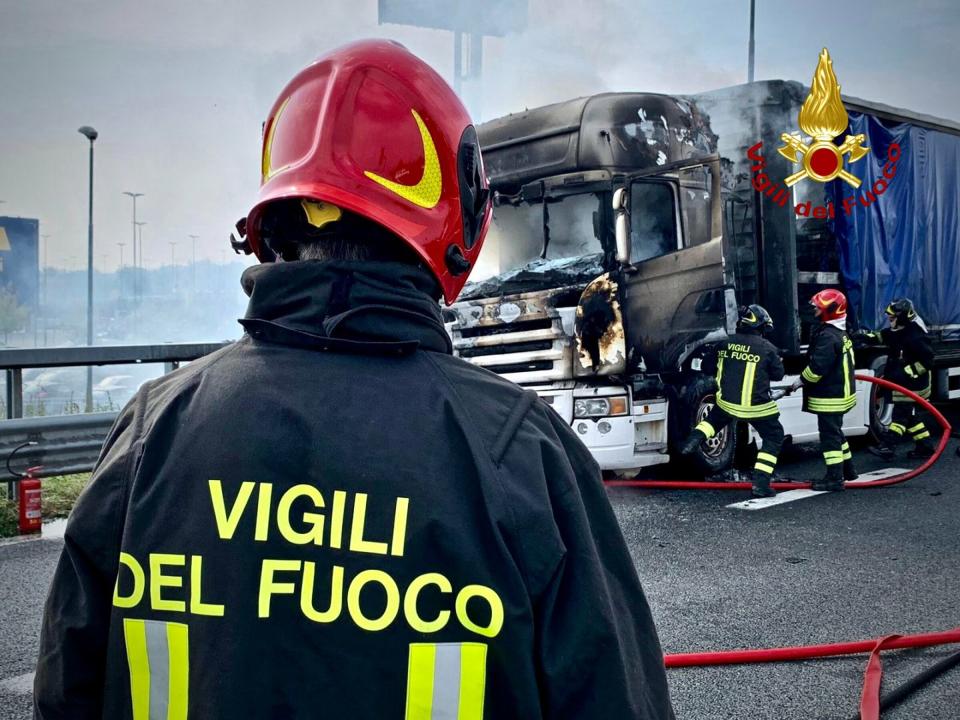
178 90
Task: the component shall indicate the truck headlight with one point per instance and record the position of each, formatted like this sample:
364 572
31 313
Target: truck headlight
600 406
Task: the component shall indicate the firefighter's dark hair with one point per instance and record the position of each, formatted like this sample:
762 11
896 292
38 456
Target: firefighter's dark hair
285 230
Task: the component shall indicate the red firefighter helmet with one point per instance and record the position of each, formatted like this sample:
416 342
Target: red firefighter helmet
373 129
830 304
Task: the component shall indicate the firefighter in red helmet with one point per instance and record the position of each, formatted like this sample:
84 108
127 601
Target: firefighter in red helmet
334 516
829 388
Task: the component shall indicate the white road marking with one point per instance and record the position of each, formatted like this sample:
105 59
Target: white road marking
877 475
778 499
791 495
18 685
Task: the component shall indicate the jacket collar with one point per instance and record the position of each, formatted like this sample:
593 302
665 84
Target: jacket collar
370 307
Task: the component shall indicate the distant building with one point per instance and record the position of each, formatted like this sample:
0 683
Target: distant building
20 258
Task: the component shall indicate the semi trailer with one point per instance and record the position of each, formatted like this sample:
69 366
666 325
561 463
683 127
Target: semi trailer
629 227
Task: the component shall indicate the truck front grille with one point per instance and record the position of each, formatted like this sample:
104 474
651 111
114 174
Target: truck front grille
531 349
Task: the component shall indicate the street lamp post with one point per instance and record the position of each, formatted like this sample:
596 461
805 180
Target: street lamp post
91 135
133 196
193 265
138 269
46 271
173 265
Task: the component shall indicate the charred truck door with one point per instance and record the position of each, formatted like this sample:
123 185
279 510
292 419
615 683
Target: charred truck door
675 291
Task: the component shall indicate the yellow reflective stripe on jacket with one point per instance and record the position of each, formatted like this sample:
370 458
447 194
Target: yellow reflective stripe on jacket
809 375
831 405
923 392
158 657
719 372
750 411
446 681
847 370
706 428
746 392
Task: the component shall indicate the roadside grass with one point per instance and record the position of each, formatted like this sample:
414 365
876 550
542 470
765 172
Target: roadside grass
59 495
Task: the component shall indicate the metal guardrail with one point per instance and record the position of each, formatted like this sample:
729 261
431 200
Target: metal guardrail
71 443
65 443
15 361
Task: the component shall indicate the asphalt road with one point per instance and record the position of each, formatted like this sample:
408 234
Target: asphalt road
835 567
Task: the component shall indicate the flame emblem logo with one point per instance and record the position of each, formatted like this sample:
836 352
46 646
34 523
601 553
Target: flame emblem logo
823 118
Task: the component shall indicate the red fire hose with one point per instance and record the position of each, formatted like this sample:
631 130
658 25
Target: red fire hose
855 484
870 697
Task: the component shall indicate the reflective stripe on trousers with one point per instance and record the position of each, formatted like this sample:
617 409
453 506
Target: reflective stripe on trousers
158 658
446 681
765 462
833 457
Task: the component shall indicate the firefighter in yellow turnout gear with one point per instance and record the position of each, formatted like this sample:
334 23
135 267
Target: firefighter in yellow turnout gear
909 363
745 364
829 388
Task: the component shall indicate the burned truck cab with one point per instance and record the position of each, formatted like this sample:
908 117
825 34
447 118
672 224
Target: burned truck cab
602 275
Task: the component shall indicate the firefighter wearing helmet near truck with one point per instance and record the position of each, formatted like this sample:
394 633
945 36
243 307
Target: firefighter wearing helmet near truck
829 388
333 516
910 364
744 365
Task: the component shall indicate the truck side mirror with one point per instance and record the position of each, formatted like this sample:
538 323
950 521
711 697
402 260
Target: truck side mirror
621 220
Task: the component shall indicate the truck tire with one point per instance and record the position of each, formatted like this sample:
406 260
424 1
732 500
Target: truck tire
714 455
881 408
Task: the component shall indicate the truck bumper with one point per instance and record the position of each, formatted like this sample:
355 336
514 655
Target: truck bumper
627 442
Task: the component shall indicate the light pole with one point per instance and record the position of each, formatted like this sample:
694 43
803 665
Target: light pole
173 265
90 134
133 196
46 270
751 45
138 257
193 265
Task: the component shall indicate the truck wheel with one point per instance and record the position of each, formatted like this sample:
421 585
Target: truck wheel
881 407
716 454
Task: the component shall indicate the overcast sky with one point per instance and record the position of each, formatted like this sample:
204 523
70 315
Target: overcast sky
178 89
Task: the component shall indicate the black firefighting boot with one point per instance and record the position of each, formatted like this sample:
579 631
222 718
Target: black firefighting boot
884 448
849 471
832 481
761 485
692 442
923 449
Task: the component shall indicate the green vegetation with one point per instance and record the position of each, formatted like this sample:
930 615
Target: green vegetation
13 315
59 495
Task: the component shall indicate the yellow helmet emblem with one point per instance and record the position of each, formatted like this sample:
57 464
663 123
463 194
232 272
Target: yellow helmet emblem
266 166
426 192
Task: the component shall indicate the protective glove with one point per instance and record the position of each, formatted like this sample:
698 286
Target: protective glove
797 384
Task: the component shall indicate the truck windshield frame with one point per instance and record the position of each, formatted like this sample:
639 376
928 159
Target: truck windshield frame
516 240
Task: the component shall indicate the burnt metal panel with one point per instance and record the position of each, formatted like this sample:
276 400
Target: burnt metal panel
672 302
622 132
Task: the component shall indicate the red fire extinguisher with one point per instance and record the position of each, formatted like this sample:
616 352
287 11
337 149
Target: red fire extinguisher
29 495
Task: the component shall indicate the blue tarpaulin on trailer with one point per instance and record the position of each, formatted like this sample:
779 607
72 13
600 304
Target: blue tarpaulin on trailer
904 242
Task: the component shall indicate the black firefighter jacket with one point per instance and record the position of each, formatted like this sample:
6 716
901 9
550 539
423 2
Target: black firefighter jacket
335 518
909 359
745 364
828 383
